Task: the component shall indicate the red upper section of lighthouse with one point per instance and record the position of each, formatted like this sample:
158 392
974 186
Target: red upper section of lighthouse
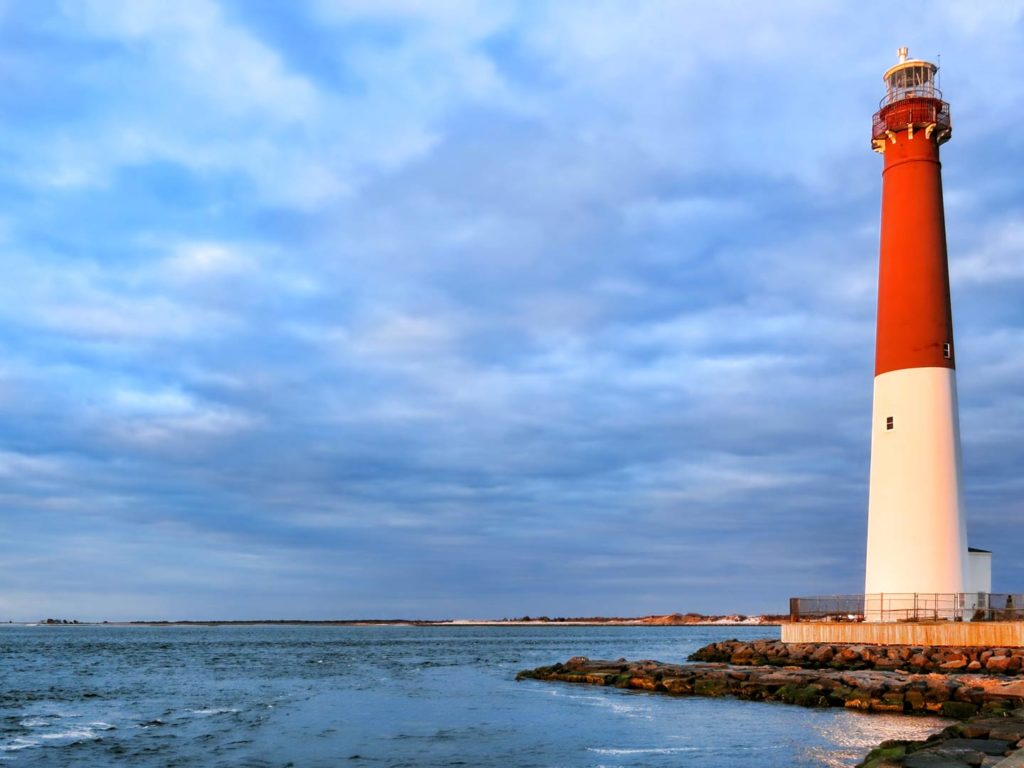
915 323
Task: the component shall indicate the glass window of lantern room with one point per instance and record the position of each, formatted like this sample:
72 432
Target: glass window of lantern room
900 83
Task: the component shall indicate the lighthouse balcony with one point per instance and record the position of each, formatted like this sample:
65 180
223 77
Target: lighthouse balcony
917 112
909 607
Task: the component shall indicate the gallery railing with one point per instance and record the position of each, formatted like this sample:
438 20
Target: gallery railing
997 606
896 116
909 606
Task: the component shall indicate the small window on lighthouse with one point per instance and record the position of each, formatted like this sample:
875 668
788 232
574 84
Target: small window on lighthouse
888 423
947 350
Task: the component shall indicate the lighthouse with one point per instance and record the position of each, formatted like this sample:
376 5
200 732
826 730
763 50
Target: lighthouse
917 538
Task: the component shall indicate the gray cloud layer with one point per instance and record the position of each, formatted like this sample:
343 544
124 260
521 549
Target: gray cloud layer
368 309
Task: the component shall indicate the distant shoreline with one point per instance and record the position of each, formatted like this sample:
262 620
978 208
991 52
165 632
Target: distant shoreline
669 620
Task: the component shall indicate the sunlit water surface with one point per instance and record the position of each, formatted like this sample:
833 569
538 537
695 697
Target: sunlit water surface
388 696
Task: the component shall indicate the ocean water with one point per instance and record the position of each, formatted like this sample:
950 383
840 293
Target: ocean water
388 696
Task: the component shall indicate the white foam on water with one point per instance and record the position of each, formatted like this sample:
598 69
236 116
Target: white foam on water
75 734
34 722
18 744
100 725
630 709
614 703
642 750
674 750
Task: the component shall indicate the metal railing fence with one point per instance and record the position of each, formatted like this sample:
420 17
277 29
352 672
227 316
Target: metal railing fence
910 607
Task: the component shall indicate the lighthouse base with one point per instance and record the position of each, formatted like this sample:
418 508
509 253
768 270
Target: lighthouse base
995 634
917 538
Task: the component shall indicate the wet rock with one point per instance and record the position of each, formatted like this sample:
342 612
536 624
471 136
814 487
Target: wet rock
979 740
949 747
859 656
921 663
975 731
986 746
914 698
998 664
711 687
949 694
822 655
886 702
677 685
1007 733
958 709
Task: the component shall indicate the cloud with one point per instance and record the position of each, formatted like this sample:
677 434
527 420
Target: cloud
153 417
206 260
354 308
996 259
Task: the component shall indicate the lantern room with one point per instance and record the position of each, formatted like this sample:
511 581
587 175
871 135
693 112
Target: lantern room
911 103
910 78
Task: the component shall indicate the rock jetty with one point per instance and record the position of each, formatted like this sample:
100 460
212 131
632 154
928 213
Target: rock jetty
876 690
940 659
983 740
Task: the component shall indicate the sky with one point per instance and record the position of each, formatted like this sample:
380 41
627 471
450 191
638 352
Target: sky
455 309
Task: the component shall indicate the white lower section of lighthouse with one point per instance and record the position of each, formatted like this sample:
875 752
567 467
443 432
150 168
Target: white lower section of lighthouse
917 536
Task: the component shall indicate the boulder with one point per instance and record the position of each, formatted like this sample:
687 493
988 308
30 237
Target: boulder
850 653
1007 733
889 702
998 664
822 654
960 710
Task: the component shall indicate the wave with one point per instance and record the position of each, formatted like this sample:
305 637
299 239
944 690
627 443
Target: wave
75 734
644 750
34 722
216 711
674 750
17 744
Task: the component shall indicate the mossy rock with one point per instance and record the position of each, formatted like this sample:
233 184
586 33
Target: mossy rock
915 700
754 692
622 681
890 702
961 710
879 756
804 696
540 673
837 696
787 693
677 685
996 707
711 687
858 699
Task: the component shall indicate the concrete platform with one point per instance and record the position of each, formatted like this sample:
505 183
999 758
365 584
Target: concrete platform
993 634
